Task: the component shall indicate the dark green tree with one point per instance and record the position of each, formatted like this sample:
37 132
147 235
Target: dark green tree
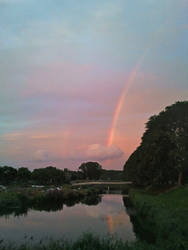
48 176
23 174
7 174
91 170
162 155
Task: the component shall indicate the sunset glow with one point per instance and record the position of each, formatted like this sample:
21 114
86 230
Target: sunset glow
80 79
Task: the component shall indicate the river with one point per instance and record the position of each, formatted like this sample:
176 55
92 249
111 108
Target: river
108 217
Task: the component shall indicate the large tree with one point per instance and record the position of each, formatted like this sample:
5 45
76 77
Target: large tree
48 176
7 174
23 174
91 170
162 156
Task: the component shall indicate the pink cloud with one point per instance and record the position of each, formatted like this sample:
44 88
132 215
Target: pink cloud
102 152
97 152
46 156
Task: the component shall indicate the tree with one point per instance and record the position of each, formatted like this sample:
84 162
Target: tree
162 155
7 174
23 174
112 175
91 170
48 176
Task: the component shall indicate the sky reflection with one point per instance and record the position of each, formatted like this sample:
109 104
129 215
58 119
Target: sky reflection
108 217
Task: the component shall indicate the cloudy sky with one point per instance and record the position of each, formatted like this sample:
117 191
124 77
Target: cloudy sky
80 78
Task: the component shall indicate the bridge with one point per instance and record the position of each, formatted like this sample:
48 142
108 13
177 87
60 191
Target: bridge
102 183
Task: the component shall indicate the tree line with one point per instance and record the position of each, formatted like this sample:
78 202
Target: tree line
53 176
162 156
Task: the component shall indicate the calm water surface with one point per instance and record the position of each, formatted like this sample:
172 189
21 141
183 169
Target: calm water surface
108 217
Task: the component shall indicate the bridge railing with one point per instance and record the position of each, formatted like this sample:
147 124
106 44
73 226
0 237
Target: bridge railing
102 183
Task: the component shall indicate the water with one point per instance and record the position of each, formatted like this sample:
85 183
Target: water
107 217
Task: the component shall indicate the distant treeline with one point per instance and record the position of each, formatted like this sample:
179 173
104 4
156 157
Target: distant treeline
54 176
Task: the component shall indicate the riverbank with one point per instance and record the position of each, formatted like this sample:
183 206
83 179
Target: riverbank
161 220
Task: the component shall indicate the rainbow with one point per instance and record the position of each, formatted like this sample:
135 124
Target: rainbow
120 103
124 92
130 81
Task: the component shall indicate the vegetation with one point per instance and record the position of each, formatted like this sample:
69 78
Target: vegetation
91 170
7 174
49 175
86 242
22 176
162 155
53 176
112 175
161 220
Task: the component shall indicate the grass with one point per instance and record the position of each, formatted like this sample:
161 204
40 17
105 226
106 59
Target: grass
86 242
162 219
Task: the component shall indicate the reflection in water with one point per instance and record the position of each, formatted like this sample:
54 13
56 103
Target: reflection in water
116 221
141 226
110 224
107 217
20 211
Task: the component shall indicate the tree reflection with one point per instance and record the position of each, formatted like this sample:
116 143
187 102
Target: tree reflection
141 227
49 206
91 200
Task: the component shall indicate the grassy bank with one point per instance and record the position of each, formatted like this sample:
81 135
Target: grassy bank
162 219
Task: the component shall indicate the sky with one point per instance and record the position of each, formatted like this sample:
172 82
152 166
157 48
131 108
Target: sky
80 78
